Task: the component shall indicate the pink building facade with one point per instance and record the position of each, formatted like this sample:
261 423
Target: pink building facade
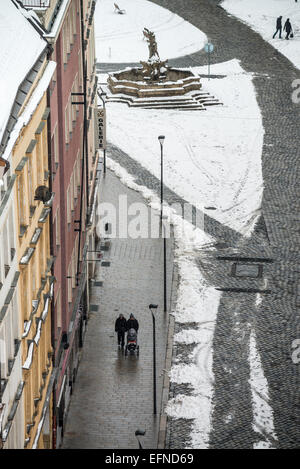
72 95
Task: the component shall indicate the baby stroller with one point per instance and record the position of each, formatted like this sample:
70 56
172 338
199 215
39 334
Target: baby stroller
132 345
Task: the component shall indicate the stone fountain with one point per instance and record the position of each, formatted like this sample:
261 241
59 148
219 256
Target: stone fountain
158 85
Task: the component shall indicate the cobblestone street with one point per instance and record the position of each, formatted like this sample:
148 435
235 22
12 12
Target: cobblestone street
118 390
275 317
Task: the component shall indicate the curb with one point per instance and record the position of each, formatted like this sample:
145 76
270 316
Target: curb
163 423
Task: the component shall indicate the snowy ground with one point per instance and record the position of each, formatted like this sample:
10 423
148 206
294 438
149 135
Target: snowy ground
261 16
211 158
119 38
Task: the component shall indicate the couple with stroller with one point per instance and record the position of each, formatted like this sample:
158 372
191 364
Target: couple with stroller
122 326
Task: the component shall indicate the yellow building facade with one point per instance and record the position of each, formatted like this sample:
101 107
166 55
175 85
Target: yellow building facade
30 165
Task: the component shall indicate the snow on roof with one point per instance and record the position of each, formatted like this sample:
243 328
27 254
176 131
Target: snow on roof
21 46
26 115
58 20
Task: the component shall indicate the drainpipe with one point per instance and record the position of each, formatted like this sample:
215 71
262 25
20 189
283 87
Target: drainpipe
85 129
84 144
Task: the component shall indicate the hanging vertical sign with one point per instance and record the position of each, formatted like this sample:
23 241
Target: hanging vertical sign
101 127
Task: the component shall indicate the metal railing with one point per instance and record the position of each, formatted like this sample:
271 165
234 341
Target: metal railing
36 3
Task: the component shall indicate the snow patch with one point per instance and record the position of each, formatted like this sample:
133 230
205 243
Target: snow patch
262 15
119 38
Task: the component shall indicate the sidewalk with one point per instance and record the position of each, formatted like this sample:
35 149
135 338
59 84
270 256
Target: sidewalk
113 394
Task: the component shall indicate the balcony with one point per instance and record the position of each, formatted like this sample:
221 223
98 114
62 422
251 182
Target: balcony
36 3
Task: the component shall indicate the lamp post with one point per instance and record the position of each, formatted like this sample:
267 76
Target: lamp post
139 433
151 306
165 272
161 139
102 95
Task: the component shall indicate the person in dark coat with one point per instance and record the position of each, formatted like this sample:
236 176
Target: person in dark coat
278 27
120 328
132 323
287 28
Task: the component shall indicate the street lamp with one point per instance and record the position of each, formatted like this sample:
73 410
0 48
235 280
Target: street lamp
165 265
151 306
139 433
161 139
102 96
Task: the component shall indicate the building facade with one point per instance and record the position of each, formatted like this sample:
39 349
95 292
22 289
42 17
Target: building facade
12 384
47 213
26 356
74 161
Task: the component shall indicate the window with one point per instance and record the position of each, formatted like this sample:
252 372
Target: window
64 43
57 227
33 276
67 31
68 206
41 249
70 283
72 191
58 309
54 144
72 25
67 135
74 19
21 200
78 171
11 233
70 114
6 248
3 357
75 98
75 180
73 268
80 78
30 180
24 298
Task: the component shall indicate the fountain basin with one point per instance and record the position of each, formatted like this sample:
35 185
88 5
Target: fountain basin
172 82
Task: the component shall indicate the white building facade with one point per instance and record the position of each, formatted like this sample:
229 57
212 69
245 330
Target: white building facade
11 395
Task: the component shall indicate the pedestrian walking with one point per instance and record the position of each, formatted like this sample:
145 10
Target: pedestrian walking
288 29
132 323
278 27
120 328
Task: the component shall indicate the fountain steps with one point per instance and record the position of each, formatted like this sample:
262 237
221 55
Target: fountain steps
198 101
177 89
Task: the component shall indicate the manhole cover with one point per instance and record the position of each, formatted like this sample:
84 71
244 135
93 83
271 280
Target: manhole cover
105 264
247 270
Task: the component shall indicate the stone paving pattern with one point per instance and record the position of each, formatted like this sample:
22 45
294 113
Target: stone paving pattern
113 394
277 236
